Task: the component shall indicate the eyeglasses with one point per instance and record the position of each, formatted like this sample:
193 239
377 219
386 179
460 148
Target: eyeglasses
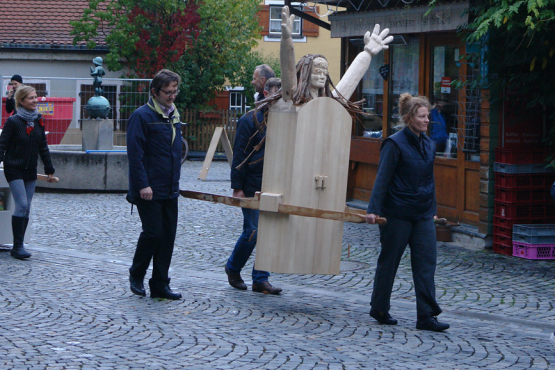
170 93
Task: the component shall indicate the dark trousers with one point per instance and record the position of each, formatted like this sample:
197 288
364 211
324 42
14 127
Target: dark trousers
159 221
245 245
421 237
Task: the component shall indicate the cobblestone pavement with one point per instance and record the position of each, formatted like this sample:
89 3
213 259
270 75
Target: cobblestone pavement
69 306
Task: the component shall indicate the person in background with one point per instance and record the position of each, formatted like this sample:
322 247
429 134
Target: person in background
438 128
154 152
15 82
246 179
404 193
22 140
260 76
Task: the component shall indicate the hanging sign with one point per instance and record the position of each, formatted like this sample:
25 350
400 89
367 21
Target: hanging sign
446 85
384 71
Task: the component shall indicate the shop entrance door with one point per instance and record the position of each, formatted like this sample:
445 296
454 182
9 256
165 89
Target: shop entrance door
456 135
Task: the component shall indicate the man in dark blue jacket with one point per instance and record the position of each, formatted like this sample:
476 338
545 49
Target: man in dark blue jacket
154 152
246 179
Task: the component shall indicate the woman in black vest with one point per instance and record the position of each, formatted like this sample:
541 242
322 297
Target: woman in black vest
22 140
404 193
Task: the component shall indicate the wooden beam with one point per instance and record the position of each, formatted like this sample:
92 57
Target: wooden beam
307 17
355 216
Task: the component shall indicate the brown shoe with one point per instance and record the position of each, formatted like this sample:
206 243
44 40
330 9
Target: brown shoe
235 280
265 287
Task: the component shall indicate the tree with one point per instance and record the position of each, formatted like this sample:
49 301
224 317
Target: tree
254 59
147 34
229 30
521 42
206 41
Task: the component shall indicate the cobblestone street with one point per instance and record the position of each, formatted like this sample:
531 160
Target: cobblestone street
69 305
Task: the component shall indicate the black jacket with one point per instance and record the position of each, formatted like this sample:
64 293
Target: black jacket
10 105
19 150
404 186
154 152
249 177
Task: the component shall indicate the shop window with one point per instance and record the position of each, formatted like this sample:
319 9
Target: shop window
443 118
469 108
403 77
372 93
455 116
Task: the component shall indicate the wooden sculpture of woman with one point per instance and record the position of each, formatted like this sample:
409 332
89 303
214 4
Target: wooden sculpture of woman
310 78
308 133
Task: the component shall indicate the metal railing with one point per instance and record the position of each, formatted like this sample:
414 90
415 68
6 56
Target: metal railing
62 101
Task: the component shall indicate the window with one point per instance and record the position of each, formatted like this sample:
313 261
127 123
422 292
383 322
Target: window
372 92
237 101
275 22
41 86
403 78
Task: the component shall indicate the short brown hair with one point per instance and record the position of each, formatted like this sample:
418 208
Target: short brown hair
22 93
273 83
163 78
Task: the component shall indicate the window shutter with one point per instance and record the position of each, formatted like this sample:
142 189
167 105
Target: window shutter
310 29
264 19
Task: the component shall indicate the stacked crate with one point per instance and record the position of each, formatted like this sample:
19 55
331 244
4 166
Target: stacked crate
522 194
534 242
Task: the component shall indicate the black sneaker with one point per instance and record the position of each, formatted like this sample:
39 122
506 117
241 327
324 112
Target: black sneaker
430 323
383 318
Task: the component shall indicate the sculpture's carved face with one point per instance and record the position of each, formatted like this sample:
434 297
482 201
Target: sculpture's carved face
319 74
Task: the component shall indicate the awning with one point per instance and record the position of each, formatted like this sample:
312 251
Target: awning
447 17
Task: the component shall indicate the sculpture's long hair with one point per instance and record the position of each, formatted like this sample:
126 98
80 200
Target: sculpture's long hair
300 97
302 91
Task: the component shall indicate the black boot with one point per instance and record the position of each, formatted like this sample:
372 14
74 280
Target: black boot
162 290
25 226
18 230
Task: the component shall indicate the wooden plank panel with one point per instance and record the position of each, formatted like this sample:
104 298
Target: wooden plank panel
445 176
313 142
472 190
276 178
365 150
362 194
366 176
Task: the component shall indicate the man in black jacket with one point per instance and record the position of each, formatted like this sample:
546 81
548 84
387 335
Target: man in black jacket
154 152
246 179
15 82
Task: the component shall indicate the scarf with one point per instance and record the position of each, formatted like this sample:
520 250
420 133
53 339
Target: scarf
28 116
153 104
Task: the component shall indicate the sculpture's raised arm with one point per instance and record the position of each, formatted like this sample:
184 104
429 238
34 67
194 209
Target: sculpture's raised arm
287 56
373 44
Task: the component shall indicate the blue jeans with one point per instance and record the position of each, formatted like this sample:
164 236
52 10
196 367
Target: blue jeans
22 192
245 245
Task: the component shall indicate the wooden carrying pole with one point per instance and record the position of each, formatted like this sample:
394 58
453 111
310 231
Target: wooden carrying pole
219 135
45 178
349 215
